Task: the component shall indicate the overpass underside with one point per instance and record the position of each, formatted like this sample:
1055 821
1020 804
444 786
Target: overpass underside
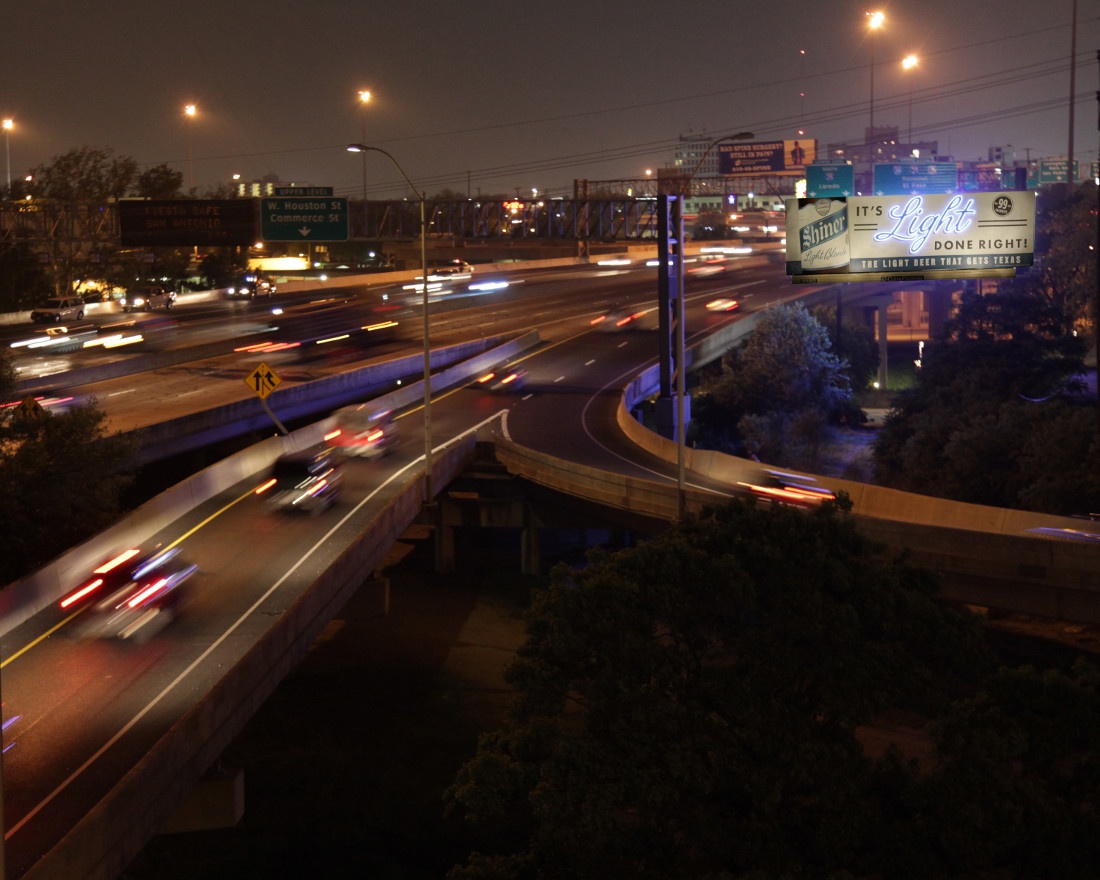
507 486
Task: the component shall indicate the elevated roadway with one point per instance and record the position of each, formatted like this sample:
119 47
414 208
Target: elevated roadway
109 738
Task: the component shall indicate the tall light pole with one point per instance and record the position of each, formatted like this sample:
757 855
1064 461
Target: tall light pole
428 492
908 63
9 124
189 112
874 22
364 99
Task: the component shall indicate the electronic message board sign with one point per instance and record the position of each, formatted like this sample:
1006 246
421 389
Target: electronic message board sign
187 222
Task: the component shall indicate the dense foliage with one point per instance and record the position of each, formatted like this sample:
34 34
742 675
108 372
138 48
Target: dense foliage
777 393
85 180
61 481
692 708
997 416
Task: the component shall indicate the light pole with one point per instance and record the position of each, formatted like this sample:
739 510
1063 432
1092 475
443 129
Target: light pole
908 63
189 112
9 124
364 99
874 22
428 493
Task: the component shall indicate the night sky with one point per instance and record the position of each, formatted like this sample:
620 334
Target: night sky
498 97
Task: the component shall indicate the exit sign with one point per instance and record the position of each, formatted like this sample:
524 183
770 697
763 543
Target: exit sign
304 219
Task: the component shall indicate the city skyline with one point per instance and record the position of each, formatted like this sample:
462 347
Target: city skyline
498 100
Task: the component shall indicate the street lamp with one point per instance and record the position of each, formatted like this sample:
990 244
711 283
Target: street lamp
189 111
428 494
874 22
364 99
9 124
908 63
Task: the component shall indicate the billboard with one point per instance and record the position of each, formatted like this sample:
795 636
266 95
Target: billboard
910 236
766 157
186 222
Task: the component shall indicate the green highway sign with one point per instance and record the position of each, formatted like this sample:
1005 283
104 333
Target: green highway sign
304 219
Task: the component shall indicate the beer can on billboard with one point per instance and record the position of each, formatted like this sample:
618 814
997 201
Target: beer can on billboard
823 235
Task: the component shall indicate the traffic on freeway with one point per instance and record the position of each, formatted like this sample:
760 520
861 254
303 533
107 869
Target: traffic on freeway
99 677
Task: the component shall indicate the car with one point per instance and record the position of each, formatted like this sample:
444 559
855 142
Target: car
362 430
303 481
796 490
723 304
505 378
454 267
57 309
126 566
59 339
147 299
147 602
251 285
619 318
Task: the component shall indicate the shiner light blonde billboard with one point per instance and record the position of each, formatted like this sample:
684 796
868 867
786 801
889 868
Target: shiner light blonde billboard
894 238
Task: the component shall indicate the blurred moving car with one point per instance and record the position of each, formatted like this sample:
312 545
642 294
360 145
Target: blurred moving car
454 267
59 309
504 378
128 565
58 339
620 318
148 298
133 596
780 487
723 304
305 481
251 285
362 430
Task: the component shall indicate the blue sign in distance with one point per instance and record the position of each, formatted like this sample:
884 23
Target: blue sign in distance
913 179
833 180
304 219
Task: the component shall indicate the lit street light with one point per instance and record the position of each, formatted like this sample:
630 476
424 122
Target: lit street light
189 112
364 99
428 493
908 63
9 124
874 22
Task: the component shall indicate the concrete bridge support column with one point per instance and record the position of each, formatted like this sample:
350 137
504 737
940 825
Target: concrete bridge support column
530 555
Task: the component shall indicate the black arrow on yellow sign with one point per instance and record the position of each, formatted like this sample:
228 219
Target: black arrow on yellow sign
263 380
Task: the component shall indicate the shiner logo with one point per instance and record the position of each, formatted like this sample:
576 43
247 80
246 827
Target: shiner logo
1002 206
823 206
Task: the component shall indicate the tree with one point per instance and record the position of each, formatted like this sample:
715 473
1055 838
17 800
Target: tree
23 281
782 377
83 182
688 708
61 481
992 394
160 182
857 346
86 175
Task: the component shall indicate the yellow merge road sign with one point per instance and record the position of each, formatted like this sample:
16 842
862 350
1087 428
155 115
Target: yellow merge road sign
262 380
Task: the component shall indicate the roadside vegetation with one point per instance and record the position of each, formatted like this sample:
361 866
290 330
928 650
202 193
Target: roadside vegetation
997 413
62 478
700 706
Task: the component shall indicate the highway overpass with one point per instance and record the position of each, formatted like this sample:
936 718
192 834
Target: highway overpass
144 725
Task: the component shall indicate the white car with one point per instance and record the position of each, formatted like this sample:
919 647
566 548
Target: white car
455 267
59 309
148 298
